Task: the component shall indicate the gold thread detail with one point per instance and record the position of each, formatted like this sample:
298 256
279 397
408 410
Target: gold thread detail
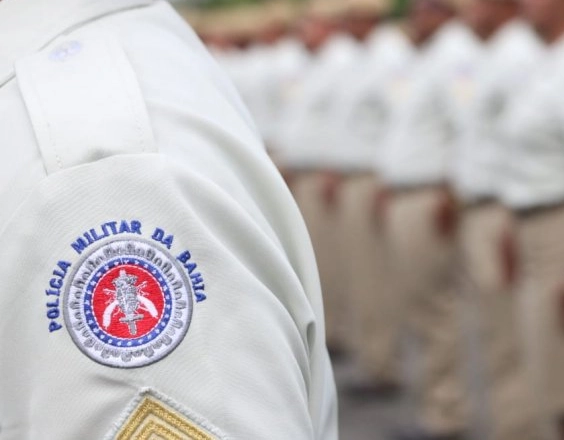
153 430
153 420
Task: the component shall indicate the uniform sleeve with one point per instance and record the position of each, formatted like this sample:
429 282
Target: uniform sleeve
147 298
118 284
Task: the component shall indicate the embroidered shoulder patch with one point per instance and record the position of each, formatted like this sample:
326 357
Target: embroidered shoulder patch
154 417
128 303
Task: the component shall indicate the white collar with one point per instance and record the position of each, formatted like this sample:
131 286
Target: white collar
29 25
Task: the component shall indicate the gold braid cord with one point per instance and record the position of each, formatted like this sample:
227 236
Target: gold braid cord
153 420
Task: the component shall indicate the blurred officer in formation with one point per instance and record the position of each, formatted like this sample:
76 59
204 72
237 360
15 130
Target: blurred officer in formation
157 279
481 94
357 125
329 173
305 144
532 187
268 69
420 215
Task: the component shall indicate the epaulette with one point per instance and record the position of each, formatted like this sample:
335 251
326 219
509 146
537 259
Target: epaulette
84 102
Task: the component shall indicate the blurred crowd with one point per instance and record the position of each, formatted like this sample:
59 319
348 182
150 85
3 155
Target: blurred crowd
427 157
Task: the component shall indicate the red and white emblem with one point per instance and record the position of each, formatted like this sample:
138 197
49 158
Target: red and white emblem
129 304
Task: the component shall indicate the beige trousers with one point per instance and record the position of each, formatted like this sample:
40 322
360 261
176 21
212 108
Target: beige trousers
424 263
507 394
541 243
324 225
372 306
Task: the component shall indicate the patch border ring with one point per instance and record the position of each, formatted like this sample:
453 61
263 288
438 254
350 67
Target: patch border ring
138 360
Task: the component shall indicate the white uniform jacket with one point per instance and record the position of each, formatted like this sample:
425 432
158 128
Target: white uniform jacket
304 133
270 72
420 141
505 67
363 104
156 278
533 128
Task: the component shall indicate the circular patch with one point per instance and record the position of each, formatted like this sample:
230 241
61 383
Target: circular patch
128 304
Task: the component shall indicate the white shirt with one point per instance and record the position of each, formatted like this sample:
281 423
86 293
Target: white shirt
364 102
289 67
533 175
304 134
267 77
418 149
156 274
234 62
249 69
507 63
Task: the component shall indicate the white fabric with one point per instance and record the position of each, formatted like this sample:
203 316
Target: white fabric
506 65
255 347
419 145
266 75
304 137
48 22
534 164
365 98
248 71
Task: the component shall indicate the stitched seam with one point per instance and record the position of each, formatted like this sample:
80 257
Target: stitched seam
130 98
150 393
52 143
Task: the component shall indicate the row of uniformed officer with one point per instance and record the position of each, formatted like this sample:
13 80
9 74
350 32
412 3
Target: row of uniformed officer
427 164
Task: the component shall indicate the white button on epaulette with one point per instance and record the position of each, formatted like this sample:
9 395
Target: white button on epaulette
65 51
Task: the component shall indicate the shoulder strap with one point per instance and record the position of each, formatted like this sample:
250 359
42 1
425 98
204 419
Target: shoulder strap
84 102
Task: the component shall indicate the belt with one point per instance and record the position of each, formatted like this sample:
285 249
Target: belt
359 173
480 202
526 213
402 189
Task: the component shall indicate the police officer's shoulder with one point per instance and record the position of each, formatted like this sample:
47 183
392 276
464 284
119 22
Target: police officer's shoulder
133 64
516 39
174 68
158 196
454 35
389 41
